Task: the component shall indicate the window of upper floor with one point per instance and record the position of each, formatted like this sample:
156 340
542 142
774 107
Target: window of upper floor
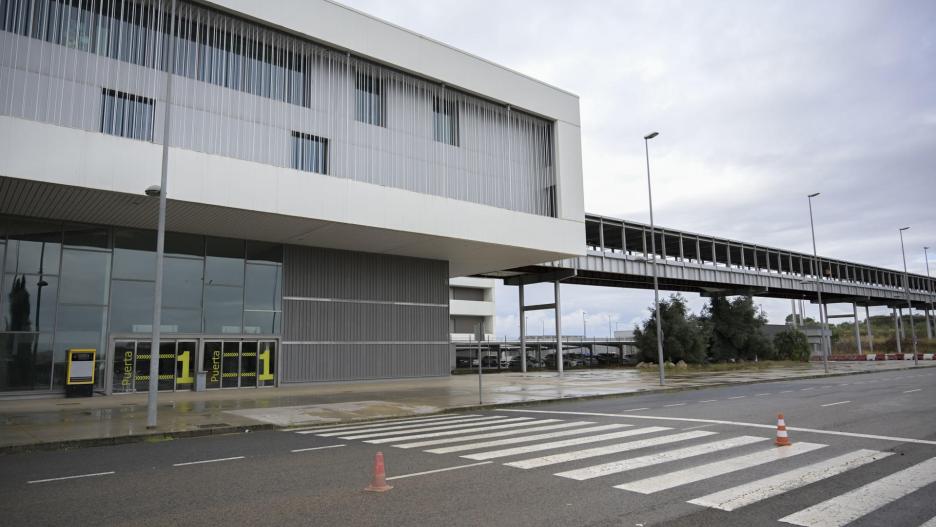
127 115
445 121
369 100
309 153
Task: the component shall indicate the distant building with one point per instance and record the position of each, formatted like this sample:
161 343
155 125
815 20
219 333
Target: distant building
471 307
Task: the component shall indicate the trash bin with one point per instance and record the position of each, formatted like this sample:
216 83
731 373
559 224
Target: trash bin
200 378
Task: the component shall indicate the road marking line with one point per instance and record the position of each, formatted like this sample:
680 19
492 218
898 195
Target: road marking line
930 523
604 450
738 397
635 410
671 405
731 423
475 437
462 431
694 427
367 434
717 468
623 465
325 428
525 439
208 461
787 391
807 389
834 404
708 401
539 447
438 470
852 505
844 384
911 391
381 428
71 477
760 394
316 448
743 495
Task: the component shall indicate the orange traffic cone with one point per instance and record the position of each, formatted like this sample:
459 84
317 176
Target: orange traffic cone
379 483
782 438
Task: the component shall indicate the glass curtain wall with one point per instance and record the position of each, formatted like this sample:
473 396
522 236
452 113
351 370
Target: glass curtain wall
66 286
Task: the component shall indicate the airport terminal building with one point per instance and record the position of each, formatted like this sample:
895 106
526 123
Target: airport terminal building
328 173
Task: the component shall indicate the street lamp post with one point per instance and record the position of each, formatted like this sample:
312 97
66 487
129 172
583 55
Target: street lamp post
929 289
656 284
818 271
160 191
913 338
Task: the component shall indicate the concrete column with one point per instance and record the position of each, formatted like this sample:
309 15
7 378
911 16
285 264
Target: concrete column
793 304
523 328
868 328
897 330
857 331
900 324
929 328
558 331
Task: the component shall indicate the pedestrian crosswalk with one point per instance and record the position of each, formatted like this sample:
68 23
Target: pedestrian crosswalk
656 459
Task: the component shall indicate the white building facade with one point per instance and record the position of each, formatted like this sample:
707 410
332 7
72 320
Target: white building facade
328 173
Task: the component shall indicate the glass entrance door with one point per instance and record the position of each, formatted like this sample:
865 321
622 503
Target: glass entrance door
132 357
239 363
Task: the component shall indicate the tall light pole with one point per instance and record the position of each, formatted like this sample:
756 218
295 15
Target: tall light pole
160 239
913 338
929 289
656 283
822 319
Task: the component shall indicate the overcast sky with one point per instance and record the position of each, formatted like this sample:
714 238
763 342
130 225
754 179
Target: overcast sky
758 103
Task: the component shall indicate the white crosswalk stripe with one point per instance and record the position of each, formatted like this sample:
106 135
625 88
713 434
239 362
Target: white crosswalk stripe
475 437
382 422
526 439
718 468
742 495
848 507
498 426
378 427
930 523
604 450
623 465
397 433
539 447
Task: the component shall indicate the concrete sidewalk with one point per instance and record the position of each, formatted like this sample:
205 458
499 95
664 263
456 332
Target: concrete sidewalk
60 423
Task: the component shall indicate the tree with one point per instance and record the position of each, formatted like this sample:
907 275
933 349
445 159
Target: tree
682 336
734 330
791 345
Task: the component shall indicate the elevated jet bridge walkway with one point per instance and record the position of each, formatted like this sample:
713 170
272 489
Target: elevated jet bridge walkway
618 254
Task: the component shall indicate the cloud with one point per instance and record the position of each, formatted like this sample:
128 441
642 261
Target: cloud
758 104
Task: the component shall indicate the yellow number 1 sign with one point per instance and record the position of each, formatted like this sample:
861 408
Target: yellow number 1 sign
184 360
266 374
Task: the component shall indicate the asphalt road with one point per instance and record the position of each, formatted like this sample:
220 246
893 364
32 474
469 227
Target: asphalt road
864 454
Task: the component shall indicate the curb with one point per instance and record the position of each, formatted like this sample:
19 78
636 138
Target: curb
139 438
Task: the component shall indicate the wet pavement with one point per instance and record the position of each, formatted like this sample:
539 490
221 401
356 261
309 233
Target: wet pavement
34 421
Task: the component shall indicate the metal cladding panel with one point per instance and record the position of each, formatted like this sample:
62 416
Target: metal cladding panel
347 362
314 272
351 316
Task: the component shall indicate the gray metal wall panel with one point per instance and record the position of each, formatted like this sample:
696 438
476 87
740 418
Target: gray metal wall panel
351 316
347 362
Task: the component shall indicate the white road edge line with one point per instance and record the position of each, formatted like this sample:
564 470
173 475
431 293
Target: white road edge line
911 391
731 423
208 461
835 404
316 448
438 470
70 477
